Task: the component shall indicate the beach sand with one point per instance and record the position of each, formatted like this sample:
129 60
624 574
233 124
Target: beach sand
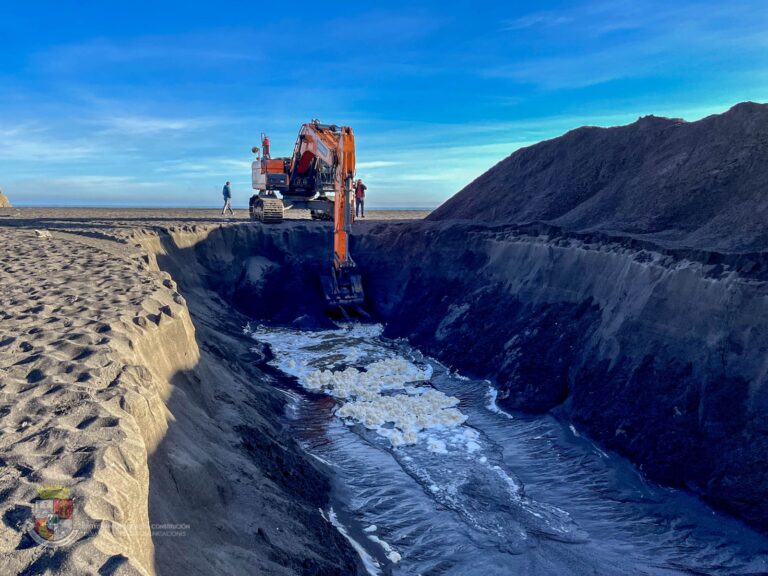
108 388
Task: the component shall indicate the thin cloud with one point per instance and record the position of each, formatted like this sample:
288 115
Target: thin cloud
179 51
539 19
187 167
609 41
573 72
373 164
386 27
238 164
31 143
204 166
100 182
151 126
82 189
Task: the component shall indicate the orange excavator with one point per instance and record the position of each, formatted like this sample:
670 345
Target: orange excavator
322 163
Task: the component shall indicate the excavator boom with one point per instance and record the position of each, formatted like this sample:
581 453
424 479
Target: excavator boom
343 287
343 214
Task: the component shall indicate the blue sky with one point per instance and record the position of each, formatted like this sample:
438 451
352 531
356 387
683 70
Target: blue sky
157 104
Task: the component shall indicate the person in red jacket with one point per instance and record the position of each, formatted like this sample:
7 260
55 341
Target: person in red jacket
265 146
360 189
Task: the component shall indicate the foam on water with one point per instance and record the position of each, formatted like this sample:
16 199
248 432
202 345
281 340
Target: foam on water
389 395
383 392
425 464
391 553
370 564
493 406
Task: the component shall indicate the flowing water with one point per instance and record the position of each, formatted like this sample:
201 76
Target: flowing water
431 477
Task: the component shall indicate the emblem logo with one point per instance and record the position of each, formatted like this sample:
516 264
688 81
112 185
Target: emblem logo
53 512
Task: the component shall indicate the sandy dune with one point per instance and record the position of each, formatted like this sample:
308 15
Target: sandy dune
80 404
106 388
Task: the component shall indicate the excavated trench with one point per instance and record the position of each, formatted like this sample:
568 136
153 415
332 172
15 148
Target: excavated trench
650 354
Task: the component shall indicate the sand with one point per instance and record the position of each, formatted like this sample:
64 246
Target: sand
698 185
141 218
107 387
87 338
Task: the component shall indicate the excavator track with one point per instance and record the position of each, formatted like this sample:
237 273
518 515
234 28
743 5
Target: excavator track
267 210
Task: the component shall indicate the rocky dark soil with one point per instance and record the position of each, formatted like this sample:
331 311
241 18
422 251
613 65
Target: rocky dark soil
694 184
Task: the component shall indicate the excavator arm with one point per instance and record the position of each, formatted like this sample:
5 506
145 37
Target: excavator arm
323 160
343 214
343 286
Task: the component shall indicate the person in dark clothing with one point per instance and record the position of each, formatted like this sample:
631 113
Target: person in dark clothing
360 189
227 193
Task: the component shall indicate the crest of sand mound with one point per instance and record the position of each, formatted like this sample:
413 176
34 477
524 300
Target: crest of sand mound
702 184
4 202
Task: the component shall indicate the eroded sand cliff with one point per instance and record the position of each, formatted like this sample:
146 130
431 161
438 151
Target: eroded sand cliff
150 407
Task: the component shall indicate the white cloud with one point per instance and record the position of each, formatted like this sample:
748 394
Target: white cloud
179 166
537 19
83 190
190 50
202 166
32 143
119 190
376 164
151 126
614 40
100 182
437 176
237 164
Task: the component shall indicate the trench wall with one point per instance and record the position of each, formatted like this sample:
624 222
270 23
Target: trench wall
658 357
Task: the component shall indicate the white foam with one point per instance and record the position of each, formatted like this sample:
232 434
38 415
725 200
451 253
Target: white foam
408 414
387 374
385 394
322 460
389 394
391 553
370 564
472 447
516 489
493 396
600 453
436 445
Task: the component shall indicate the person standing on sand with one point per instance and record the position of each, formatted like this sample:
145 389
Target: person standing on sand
227 193
360 189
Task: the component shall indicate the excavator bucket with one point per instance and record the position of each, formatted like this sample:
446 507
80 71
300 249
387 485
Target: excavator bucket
343 288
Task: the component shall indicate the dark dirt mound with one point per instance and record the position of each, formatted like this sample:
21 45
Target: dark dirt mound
699 184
